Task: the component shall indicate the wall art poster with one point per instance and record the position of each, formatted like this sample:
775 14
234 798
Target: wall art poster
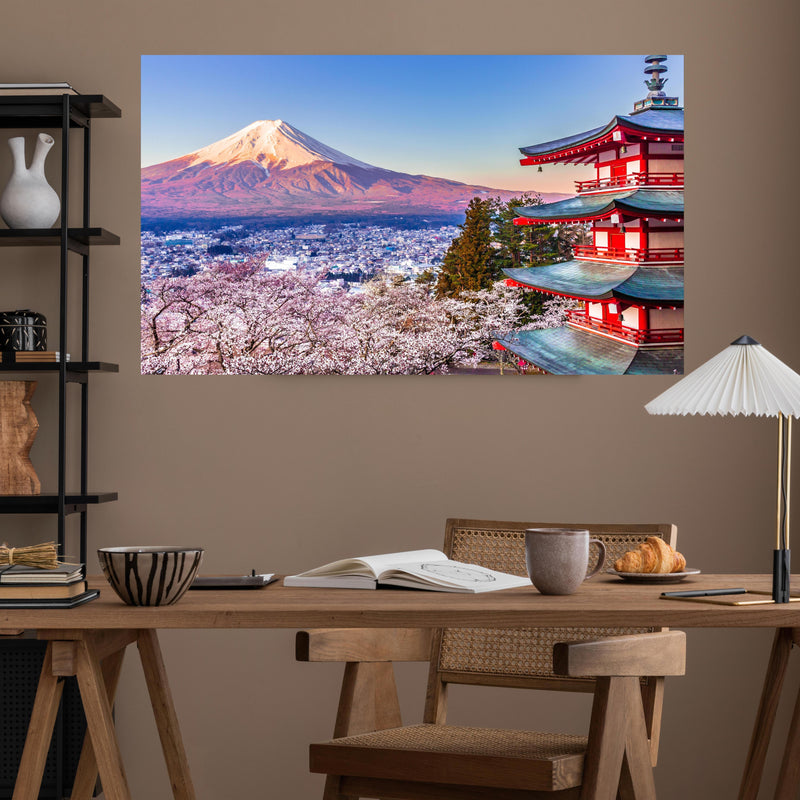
412 215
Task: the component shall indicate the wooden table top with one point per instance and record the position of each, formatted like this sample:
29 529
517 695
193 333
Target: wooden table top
602 601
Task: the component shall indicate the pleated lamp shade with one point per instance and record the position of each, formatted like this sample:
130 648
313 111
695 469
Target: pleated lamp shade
744 378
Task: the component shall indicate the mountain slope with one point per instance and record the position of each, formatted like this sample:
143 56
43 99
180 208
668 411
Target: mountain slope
272 169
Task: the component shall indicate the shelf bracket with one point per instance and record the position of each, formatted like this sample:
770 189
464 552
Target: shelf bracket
78 117
77 247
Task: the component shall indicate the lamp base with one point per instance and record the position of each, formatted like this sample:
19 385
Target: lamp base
780 575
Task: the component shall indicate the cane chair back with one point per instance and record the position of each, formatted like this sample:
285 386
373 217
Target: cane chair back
521 657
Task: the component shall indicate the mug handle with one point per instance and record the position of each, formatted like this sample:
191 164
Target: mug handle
601 559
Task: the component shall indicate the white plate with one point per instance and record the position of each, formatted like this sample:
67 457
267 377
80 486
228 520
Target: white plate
655 577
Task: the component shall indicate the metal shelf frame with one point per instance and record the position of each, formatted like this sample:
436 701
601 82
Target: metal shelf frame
67 112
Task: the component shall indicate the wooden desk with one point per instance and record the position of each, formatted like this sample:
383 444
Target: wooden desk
90 641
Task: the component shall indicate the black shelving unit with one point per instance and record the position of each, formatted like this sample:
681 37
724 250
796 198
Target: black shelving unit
65 112
68 113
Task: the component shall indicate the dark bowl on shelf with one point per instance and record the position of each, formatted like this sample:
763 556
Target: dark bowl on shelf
150 575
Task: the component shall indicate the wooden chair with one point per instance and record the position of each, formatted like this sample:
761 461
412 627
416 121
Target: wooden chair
373 755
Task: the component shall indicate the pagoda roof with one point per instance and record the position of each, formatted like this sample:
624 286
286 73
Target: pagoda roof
570 351
546 148
657 361
653 283
667 121
601 281
574 278
635 202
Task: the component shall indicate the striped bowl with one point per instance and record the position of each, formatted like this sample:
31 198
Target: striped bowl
150 576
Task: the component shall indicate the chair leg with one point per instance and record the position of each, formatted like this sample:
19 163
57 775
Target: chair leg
607 729
626 790
617 763
636 779
653 699
368 700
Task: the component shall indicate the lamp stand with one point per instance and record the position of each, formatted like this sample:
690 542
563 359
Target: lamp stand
781 561
780 575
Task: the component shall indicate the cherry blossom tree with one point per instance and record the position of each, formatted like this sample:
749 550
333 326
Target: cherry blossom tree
243 319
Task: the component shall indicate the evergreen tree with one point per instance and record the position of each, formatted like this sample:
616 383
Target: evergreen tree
539 245
568 236
521 245
510 237
470 262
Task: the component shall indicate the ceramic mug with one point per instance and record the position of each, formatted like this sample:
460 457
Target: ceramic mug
557 558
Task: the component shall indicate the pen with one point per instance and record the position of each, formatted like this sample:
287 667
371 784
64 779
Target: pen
703 592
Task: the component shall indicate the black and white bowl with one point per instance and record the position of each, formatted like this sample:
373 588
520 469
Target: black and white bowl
150 576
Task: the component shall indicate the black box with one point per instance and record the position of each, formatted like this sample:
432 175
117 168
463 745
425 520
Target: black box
22 330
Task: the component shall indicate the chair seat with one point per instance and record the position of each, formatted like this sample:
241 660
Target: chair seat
454 754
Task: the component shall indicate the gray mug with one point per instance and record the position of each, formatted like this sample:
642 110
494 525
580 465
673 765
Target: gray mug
557 558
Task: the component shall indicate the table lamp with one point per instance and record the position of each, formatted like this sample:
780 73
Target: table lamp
747 379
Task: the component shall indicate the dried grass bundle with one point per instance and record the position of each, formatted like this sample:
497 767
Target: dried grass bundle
37 555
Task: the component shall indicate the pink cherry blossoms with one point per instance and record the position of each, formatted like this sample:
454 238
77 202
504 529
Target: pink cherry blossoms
245 320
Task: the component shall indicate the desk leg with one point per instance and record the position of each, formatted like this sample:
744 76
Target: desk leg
166 719
789 776
765 717
86 775
100 724
40 731
95 658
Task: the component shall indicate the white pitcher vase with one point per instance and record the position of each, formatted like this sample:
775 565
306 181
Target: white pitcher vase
28 201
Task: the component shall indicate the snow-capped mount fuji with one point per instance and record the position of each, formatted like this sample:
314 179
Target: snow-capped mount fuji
272 169
271 142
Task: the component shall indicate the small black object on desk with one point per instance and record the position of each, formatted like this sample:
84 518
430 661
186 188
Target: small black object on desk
703 592
251 581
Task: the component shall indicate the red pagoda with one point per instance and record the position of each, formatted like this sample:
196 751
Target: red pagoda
629 280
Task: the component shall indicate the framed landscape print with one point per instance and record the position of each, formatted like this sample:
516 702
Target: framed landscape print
413 215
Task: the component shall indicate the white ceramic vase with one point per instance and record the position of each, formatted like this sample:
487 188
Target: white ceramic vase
28 201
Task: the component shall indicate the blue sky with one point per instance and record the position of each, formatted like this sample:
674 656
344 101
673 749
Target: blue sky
458 117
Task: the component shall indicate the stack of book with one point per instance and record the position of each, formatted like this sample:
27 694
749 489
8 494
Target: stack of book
34 587
33 356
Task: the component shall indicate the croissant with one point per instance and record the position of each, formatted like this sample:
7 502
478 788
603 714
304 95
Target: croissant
653 555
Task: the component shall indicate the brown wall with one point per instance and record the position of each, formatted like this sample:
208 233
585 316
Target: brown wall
282 474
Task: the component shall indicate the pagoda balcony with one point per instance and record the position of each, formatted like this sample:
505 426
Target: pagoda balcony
632 255
578 319
661 180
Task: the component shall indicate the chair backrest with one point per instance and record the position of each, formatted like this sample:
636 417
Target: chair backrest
520 657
